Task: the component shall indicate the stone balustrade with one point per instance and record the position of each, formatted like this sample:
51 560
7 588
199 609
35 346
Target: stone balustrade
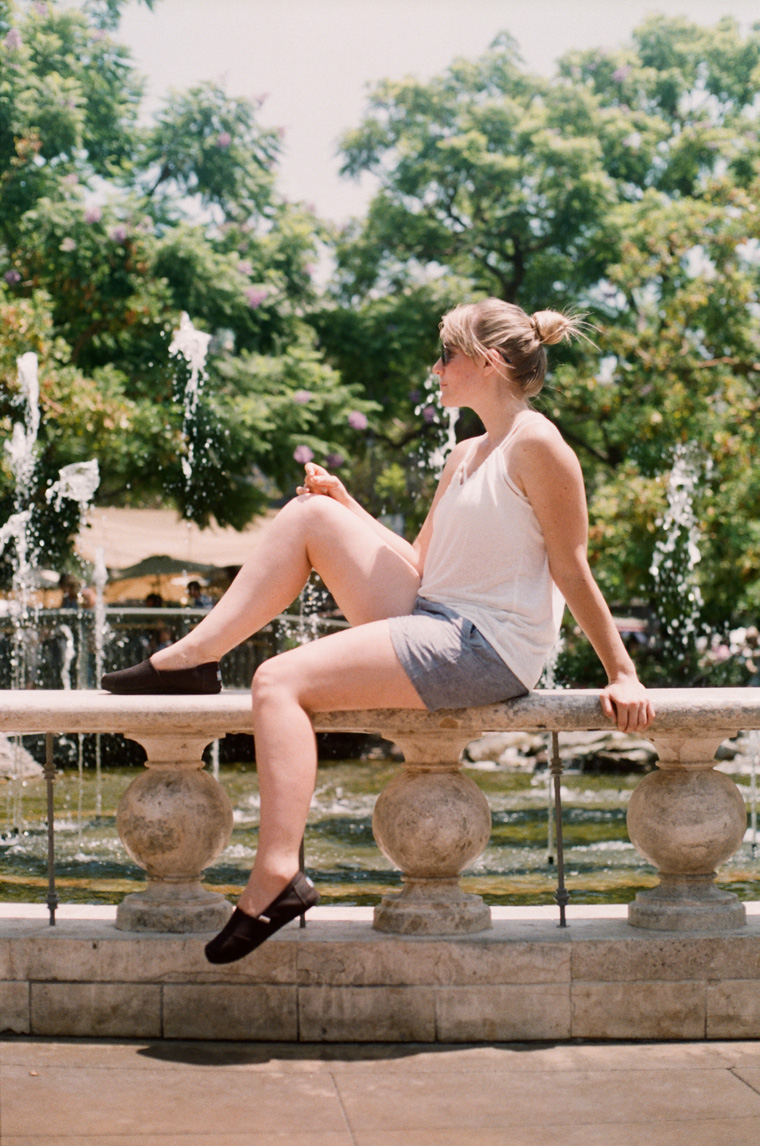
432 820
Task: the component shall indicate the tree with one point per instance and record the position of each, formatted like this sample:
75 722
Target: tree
626 187
108 232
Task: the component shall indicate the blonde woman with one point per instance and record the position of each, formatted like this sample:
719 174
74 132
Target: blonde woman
464 615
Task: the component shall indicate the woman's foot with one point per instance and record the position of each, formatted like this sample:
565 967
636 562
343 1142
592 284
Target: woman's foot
146 679
244 933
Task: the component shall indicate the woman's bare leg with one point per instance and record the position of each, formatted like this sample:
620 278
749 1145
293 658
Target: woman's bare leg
368 579
356 668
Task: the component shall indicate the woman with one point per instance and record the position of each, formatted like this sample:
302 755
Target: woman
463 616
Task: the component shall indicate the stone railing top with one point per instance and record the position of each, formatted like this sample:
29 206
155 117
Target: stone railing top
679 711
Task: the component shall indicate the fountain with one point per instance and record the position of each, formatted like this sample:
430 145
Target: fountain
76 482
192 345
677 596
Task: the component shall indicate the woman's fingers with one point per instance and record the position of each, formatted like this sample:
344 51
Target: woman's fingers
630 714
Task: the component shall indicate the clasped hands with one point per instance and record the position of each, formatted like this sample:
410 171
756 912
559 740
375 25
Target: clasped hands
319 481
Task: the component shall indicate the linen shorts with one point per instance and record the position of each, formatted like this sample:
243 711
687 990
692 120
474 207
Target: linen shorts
448 661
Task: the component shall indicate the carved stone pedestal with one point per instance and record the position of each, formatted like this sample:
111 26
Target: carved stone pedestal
174 820
686 819
431 822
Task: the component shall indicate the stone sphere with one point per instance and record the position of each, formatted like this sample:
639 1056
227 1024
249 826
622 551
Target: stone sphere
174 821
687 821
431 824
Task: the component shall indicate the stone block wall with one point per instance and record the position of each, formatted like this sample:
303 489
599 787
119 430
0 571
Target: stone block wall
525 980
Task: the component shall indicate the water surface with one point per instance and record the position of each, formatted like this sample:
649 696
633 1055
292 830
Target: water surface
93 867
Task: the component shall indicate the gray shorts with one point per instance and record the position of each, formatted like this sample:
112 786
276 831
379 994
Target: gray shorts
448 661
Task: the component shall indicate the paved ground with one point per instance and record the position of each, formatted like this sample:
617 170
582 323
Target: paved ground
82 1093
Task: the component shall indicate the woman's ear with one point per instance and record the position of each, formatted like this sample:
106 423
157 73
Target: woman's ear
493 361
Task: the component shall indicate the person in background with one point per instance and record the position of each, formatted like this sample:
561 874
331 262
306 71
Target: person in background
197 598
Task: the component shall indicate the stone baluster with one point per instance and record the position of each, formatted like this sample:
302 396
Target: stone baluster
431 822
686 819
174 819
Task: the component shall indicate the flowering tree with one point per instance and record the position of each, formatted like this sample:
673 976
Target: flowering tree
108 232
626 186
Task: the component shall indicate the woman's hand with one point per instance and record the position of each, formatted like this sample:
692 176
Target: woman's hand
319 481
626 702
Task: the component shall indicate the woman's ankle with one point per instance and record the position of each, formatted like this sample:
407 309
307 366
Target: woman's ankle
177 657
258 896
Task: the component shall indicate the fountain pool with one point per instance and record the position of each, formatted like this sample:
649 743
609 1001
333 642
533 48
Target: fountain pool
602 865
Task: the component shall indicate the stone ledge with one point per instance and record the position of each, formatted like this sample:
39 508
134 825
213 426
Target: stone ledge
679 710
339 980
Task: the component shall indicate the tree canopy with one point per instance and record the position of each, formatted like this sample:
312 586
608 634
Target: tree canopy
109 231
625 186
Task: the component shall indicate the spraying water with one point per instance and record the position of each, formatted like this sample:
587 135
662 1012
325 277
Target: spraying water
676 556
192 344
76 482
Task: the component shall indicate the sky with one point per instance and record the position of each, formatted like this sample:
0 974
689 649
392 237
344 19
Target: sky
315 58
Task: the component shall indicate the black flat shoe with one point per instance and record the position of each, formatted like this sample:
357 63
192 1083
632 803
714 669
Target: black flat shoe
205 679
244 933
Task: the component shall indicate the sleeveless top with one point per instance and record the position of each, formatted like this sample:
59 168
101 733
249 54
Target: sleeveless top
487 561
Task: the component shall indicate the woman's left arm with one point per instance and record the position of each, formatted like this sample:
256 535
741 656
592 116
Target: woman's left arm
548 472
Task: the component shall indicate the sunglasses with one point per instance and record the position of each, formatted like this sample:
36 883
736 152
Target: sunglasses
448 352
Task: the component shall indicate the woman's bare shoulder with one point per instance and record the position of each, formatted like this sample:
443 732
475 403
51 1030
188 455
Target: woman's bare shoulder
537 430
540 446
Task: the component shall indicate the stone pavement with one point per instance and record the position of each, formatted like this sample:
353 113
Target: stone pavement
143 1093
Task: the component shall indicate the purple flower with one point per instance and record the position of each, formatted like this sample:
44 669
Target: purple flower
428 414
68 244
12 277
70 180
223 140
93 215
40 7
310 269
301 397
357 420
303 454
335 461
118 234
255 296
621 73
13 40
245 267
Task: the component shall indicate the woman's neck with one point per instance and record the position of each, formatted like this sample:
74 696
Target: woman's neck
498 417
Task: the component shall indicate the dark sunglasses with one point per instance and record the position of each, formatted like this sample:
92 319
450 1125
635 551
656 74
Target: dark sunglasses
448 352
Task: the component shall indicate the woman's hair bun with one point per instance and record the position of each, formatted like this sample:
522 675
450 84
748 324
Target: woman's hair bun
551 326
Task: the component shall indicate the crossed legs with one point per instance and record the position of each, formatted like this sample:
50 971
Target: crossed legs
355 668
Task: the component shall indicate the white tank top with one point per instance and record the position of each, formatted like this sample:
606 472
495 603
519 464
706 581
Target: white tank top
487 560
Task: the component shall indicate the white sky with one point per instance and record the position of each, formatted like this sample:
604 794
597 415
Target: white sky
315 58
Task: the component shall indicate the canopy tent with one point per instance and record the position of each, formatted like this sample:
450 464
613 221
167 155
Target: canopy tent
128 536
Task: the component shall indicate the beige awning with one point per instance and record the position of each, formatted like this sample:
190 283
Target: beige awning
129 535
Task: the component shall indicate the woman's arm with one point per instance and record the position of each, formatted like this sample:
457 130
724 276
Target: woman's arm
549 473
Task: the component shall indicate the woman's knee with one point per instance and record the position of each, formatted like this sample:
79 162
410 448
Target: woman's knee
273 683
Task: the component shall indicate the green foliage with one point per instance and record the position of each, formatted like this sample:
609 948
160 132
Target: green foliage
110 230
625 187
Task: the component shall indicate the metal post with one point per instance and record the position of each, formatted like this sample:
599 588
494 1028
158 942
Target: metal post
52 897
301 862
561 897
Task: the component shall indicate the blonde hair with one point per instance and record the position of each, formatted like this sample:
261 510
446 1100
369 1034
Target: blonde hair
477 327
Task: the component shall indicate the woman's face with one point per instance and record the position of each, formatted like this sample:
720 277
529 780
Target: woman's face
459 377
